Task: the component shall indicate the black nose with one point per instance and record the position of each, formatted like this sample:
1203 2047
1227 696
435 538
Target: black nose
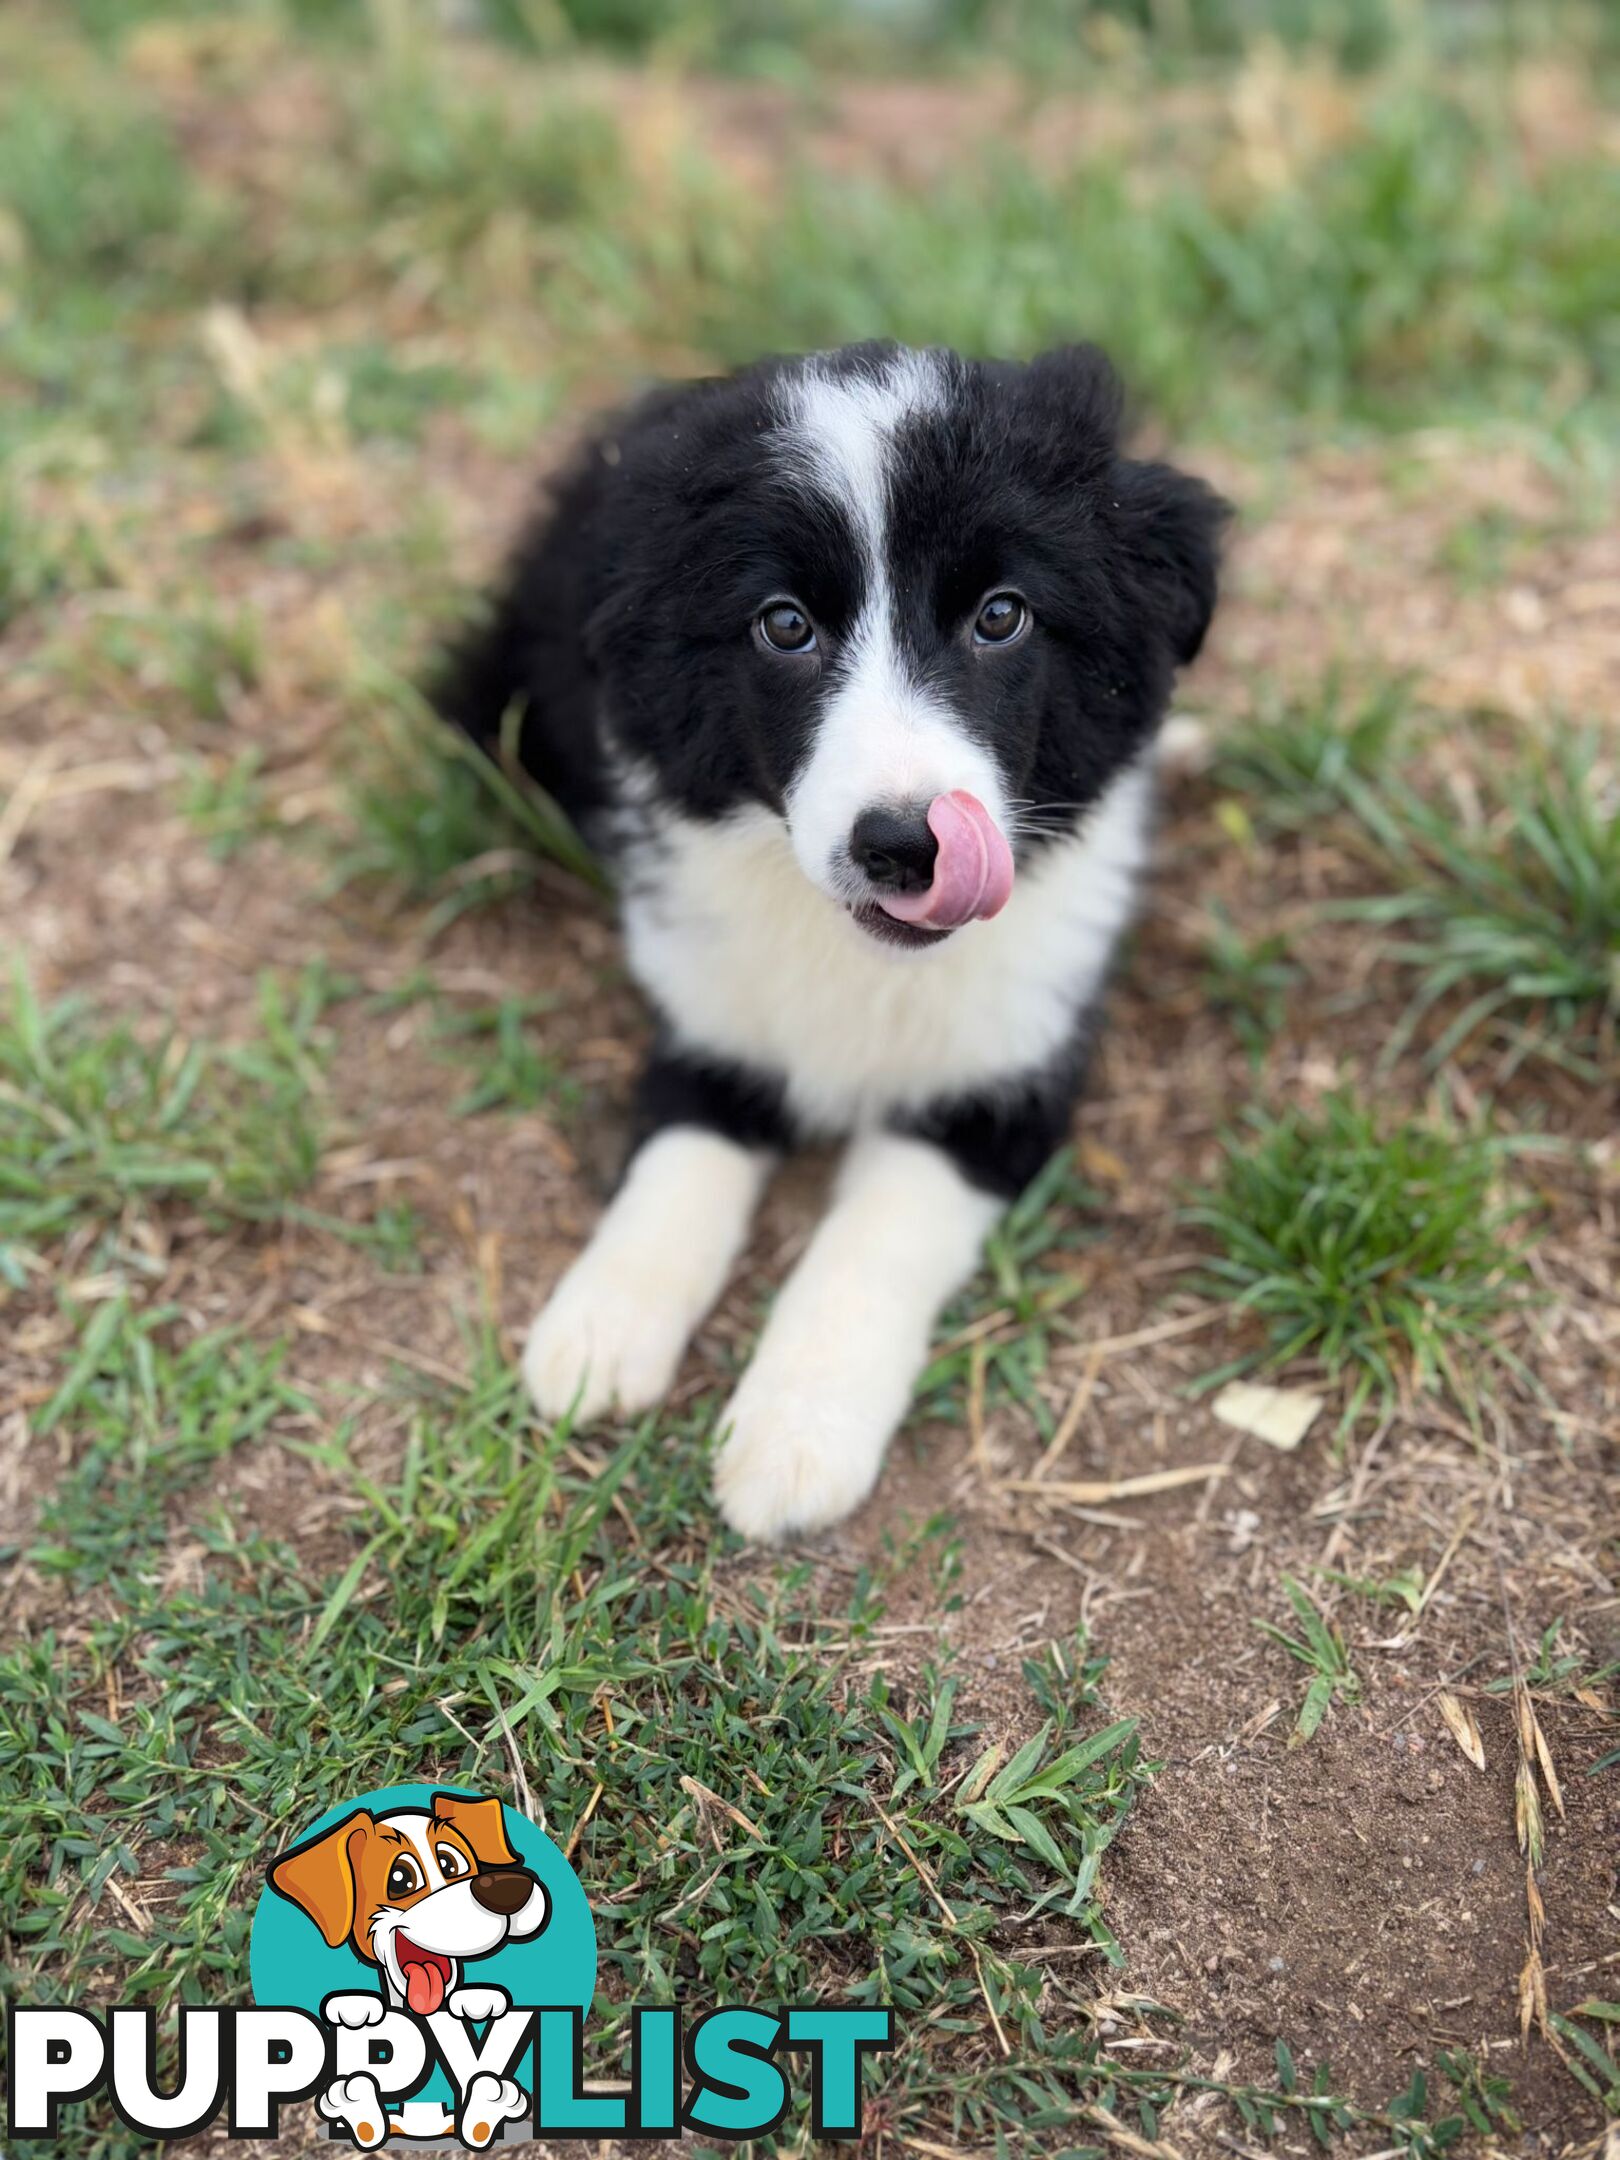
895 849
503 1890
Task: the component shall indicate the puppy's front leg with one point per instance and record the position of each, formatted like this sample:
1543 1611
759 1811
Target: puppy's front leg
848 1336
615 1327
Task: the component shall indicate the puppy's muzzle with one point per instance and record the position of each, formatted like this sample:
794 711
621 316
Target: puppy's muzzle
502 1890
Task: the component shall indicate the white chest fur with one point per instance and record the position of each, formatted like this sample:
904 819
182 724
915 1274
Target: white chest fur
749 962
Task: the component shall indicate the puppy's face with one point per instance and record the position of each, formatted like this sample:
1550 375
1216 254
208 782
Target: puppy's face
417 1892
920 609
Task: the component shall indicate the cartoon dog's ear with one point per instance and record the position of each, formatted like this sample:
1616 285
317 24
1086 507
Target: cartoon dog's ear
481 1822
319 1877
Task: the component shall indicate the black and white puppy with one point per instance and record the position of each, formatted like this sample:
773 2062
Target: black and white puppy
850 667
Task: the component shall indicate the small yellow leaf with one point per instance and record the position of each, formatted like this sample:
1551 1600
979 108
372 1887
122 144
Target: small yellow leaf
1101 1163
1461 1724
1279 1416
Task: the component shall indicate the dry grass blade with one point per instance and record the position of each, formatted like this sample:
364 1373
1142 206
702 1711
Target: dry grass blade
1129 2141
1532 1994
1463 1727
1097 1492
1544 1757
1527 1818
707 1799
1079 1402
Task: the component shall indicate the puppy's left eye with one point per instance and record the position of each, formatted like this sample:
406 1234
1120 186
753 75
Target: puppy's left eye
786 628
404 1877
1003 617
451 1862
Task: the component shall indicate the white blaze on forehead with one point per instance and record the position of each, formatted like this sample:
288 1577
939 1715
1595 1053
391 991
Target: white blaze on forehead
842 429
417 1832
883 739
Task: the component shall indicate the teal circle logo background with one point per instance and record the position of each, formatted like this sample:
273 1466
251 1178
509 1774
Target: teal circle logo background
290 1965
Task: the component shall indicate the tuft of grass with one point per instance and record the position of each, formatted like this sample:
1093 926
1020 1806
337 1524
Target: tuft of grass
1556 1671
439 818
448 165
45 551
1249 979
96 1122
1415 267
823 1825
177 662
1321 1649
1032 1275
512 1073
153 1411
225 800
1508 905
1478 2101
102 204
1593 2065
1479 549
89 185
1296 759
1384 1251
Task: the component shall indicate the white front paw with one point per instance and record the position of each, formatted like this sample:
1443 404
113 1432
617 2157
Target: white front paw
357 2101
354 2011
490 2101
798 1453
477 2005
610 1338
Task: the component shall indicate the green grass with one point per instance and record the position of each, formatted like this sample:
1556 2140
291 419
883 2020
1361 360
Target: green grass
776 1813
1293 761
46 552
225 801
1505 910
1034 1274
1061 38
1592 2057
439 819
489 1582
1415 271
510 1071
99 1124
1321 1649
1248 980
1385 1251
1415 267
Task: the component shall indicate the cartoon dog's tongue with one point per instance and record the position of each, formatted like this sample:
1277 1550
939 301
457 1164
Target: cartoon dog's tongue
973 868
424 1979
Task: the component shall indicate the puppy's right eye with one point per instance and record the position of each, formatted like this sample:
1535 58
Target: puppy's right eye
786 628
404 1877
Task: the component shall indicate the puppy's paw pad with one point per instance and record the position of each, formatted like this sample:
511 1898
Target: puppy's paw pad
792 1461
602 1344
354 2011
478 2004
358 2102
490 2101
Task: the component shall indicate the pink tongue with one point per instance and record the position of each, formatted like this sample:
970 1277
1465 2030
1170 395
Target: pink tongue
424 1988
973 869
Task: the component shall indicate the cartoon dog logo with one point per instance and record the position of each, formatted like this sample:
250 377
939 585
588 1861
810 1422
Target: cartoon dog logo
419 1893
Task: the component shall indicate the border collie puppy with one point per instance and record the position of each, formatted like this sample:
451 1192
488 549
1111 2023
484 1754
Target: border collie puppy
850 667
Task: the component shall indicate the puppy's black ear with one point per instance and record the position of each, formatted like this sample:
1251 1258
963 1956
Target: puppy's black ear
1170 527
1076 405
